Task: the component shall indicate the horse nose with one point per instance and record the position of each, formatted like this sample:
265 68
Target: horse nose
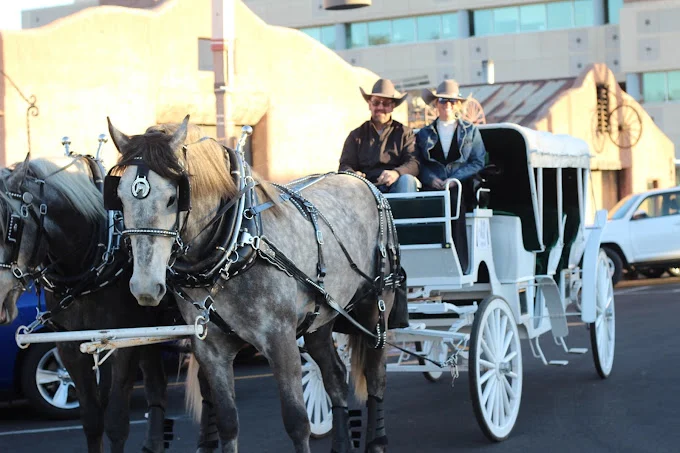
148 294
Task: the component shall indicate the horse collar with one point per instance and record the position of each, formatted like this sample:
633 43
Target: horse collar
141 186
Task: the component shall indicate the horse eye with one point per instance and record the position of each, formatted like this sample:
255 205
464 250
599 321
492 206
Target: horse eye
172 200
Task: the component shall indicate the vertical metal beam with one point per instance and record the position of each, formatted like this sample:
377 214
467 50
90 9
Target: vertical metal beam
222 46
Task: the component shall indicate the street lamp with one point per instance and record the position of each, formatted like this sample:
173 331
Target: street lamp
336 5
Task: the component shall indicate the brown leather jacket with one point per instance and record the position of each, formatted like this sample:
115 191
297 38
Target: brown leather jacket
369 152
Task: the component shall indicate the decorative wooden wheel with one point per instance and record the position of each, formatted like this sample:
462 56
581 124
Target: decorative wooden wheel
625 126
474 112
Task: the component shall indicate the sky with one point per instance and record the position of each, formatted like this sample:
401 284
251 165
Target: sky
10 10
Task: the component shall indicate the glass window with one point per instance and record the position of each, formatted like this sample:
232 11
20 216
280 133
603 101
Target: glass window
650 207
356 35
613 6
654 86
314 32
622 207
560 15
428 28
483 22
670 204
449 26
583 13
328 36
403 30
532 18
506 20
378 32
674 86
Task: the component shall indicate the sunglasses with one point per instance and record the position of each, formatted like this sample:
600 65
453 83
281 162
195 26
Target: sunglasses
383 102
449 101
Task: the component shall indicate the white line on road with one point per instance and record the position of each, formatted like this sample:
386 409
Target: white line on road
55 429
623 292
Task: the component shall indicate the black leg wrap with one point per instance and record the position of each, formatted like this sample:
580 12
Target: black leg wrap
341 439
155 431
375 424
208 436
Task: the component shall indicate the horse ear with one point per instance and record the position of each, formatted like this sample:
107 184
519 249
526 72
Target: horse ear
180 135
119 139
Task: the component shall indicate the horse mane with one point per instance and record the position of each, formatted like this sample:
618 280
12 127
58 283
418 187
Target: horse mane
203 158
69 183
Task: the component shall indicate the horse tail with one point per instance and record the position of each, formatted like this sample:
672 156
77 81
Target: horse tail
193 401
359 346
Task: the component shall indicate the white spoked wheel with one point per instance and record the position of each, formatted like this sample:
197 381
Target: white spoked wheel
317 401
433 350
603 330
495 366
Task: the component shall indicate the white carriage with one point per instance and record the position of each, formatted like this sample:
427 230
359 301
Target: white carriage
533 265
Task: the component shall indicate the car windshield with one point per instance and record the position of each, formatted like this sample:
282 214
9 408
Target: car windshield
621 208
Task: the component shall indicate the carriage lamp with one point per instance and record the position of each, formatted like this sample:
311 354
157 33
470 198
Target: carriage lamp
337 5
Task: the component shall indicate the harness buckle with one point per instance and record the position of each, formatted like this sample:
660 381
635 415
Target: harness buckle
24 211
248 214
18 273
43 209
381 305
319 237
383 252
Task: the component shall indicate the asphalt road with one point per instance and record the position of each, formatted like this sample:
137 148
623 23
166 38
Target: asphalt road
564 409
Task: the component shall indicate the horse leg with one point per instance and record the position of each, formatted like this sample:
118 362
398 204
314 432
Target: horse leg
216 357
284 358
79 366
320 346
155 387
208 438
376 379
118 408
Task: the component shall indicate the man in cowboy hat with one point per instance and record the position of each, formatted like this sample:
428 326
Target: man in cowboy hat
382 149
450 147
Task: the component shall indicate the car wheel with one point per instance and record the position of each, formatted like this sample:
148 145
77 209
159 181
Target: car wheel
46 383
615 264
653 272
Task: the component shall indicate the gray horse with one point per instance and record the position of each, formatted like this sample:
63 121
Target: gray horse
68 236
263 305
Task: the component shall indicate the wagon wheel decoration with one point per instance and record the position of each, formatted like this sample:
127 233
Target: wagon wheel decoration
474 112
625 126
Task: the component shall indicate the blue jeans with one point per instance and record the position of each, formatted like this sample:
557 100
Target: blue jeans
405 183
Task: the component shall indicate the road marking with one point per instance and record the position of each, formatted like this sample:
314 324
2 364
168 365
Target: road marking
624 292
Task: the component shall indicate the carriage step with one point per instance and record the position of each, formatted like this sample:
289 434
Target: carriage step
577 350
559 362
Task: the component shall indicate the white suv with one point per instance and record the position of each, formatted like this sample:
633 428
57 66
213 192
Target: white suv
643 233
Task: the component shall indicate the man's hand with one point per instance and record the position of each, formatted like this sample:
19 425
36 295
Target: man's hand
360 173
387 177
438 184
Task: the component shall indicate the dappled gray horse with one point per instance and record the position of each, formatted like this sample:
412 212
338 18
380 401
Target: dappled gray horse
262 285
50 220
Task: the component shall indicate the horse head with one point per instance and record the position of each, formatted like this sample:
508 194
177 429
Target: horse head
155 195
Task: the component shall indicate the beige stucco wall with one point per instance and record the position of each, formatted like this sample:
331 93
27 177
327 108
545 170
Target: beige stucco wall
140 67
574 113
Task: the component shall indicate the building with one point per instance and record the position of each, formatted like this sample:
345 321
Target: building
146 66
142 66
420 43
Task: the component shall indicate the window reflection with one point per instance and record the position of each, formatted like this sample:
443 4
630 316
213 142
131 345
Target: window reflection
560 15
328 36
378 32
449 26
357 35
674 86
614 7
654 86
483 22
428 28
532 17
506 20
313 32
583 13
403 30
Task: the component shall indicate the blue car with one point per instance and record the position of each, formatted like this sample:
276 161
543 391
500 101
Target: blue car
36 374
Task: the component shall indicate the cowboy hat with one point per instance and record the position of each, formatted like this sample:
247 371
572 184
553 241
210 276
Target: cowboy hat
448 89
384 88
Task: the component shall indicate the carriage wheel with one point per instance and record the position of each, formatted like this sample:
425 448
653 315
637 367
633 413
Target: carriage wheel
495 368
434 350
625 126
317 401
474 112
602 331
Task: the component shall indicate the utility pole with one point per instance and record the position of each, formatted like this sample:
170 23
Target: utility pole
222 46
